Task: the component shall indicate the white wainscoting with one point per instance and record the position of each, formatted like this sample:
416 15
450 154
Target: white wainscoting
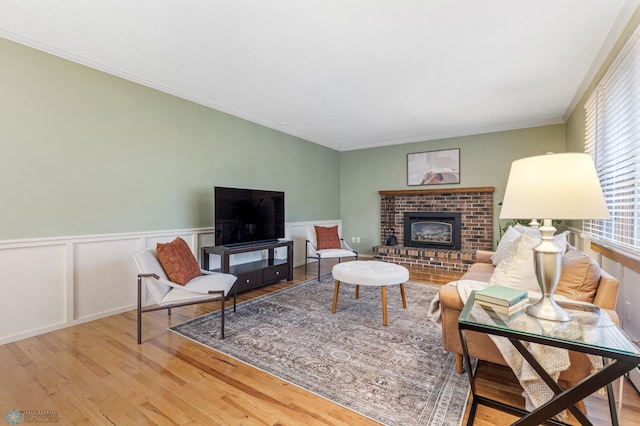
52 283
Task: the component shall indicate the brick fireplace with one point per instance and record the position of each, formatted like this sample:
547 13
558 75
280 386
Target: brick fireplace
473 206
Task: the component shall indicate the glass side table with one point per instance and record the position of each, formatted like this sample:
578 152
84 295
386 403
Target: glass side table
590 331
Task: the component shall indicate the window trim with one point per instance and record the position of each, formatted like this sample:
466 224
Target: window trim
613 254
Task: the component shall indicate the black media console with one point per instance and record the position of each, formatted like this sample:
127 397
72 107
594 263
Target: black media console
253 274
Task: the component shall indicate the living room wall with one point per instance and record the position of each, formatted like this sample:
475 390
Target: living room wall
485 160
84 152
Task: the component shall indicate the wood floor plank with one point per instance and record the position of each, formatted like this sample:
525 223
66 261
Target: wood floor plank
95 373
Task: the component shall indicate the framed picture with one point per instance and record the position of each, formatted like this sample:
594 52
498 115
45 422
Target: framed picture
433 167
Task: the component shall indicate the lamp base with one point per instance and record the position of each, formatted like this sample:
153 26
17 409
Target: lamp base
547 262
547 308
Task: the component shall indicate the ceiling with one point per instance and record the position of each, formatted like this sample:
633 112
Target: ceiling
344 74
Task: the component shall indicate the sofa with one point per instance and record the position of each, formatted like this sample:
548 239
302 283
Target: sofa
581 279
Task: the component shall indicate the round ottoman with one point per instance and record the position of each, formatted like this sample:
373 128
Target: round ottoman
370 273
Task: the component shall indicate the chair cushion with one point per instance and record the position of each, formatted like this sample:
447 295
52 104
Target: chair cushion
211 282
334 253
327 237
178 261
580 276
199 287
178 295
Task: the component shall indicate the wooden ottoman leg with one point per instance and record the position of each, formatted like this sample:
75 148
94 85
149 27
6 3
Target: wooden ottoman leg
404 298
357 291
384 305
335 297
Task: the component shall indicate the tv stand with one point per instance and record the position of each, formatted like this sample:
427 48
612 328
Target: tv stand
253 274
249 244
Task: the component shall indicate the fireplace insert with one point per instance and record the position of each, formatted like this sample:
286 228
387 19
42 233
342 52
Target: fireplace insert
440 230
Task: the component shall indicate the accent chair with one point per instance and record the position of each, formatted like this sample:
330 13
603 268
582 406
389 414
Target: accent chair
209 286
325 243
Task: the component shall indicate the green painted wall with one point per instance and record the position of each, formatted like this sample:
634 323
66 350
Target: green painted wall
485 160
83 152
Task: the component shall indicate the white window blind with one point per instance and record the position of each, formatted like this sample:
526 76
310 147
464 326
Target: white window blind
612 137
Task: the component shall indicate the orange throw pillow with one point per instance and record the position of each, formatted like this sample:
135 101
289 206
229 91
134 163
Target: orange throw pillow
327 237
178 261
580 276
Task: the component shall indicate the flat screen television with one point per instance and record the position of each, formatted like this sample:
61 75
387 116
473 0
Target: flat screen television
245 216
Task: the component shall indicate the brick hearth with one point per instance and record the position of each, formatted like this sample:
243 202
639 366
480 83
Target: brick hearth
475 206
453 260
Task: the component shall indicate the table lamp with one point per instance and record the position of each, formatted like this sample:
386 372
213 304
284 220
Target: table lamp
552 186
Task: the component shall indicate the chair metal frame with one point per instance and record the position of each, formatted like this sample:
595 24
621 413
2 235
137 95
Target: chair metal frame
215 295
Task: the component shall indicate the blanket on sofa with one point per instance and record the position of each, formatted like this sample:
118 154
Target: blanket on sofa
465 287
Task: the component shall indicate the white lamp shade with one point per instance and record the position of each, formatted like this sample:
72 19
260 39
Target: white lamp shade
554 186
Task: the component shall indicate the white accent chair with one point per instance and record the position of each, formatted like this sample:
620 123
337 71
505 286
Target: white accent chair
311 251
207 287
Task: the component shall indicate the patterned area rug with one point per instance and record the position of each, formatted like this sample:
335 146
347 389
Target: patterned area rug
396 375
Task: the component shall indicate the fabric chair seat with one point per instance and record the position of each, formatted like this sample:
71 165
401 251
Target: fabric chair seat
201 286
333 253
212 281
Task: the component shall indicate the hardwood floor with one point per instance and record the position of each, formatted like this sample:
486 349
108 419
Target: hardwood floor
95 373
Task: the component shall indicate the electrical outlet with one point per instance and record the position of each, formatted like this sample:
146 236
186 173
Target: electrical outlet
353 239
357 239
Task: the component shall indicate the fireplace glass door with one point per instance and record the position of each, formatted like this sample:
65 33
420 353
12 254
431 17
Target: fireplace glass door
439 230
432 232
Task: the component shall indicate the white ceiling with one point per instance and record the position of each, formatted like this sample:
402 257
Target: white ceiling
344 74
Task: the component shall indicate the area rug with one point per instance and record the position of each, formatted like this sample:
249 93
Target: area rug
395 375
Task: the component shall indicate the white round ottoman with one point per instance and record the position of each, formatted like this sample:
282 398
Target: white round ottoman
370 273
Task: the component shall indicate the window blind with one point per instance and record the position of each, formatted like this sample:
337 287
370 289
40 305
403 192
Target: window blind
612 137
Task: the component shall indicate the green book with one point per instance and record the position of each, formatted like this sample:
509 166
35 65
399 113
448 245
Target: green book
499 295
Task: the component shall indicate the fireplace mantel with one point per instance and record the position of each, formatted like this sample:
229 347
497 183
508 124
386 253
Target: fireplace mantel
437 190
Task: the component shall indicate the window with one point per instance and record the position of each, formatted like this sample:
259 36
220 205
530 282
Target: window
612 137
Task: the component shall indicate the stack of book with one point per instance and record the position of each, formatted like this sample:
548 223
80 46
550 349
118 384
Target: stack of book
504 300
